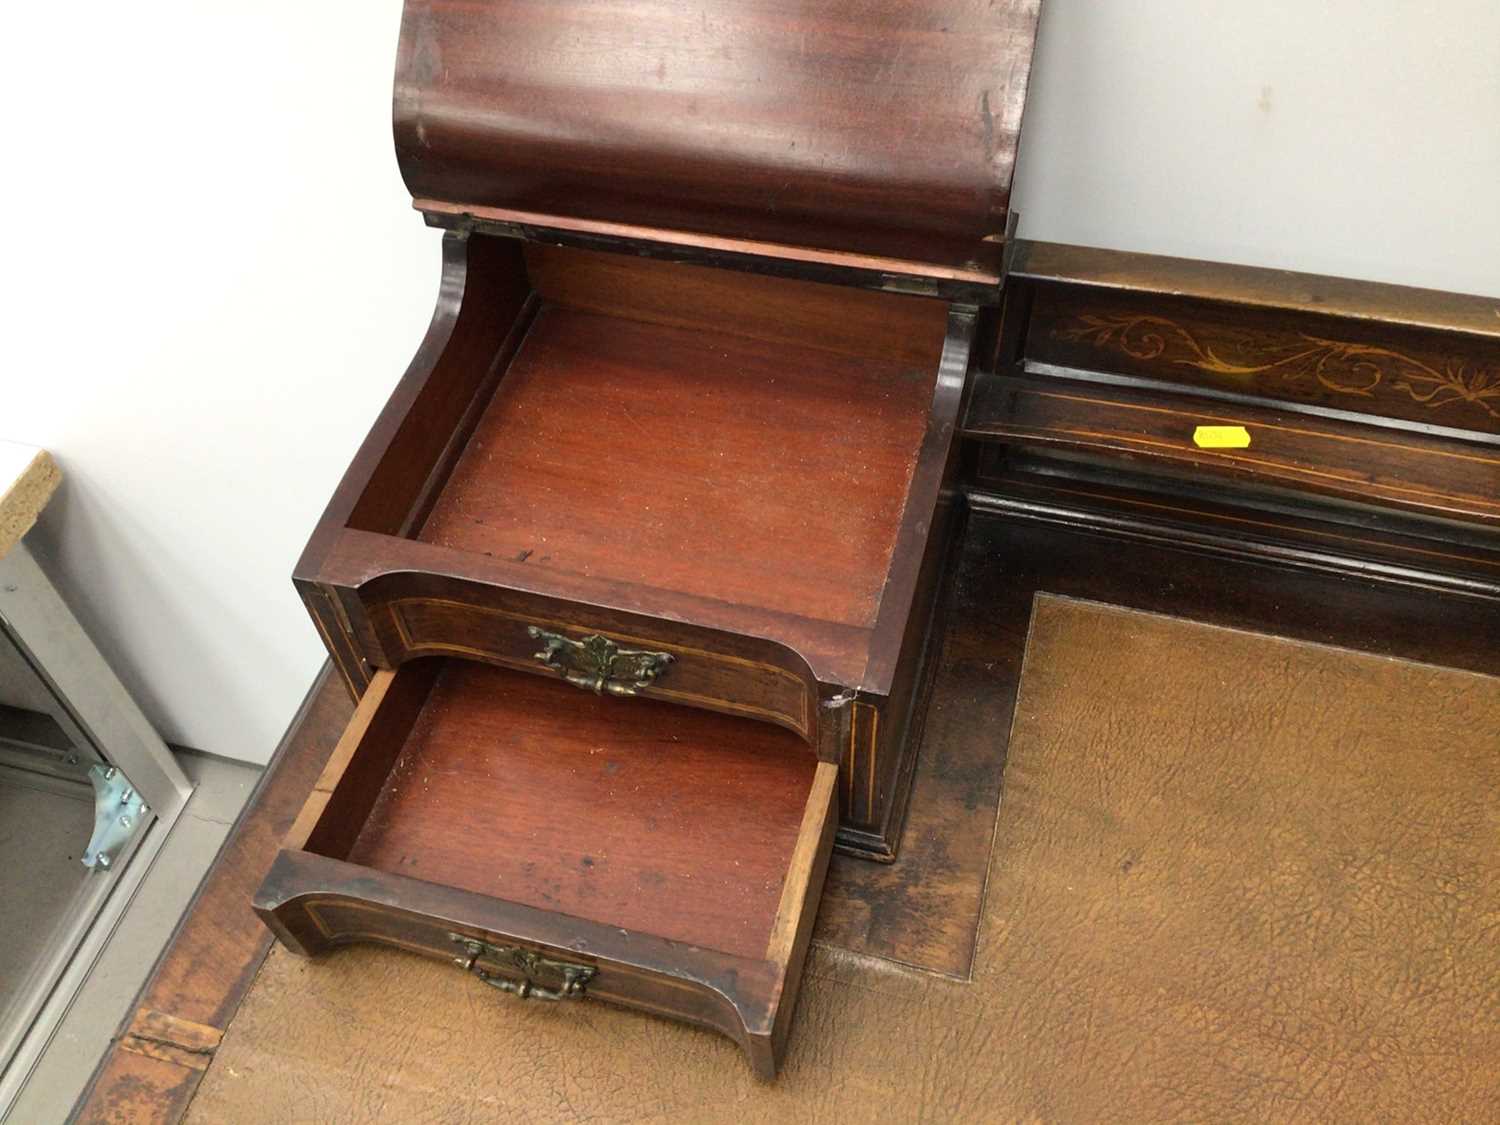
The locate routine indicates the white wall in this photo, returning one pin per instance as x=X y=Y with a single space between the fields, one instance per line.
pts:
x=1358 y=138
x=213 y=278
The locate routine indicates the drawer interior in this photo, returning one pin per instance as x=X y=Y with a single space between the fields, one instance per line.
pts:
x=734 y=451
x=755 y=471
x=670 y=821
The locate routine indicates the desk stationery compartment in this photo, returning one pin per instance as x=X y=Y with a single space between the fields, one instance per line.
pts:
x=646 y=478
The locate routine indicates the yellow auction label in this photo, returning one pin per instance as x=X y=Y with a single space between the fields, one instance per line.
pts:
x=1221 y=437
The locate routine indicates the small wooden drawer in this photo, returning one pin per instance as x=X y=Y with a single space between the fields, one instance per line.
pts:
x=593 y=652
x=725 y=490
x=567 y=847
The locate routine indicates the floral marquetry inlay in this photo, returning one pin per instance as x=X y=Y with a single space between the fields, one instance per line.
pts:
x=1301 y=362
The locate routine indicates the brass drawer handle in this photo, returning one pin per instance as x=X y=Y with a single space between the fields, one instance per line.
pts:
x=599 y=665
x=567 y=981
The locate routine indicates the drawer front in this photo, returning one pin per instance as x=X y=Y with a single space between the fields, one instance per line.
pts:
x=1248 y=446
x=617 y=662
x=315 y=904
x=521 y=969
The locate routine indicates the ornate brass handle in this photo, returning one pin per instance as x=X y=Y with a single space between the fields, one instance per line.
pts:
x=530 y=990
x=599 y=665
x=568 y=980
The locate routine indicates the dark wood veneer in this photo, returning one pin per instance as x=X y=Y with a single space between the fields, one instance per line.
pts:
x=882 y=126
x=1386 y=307
x=1423 y=378
x=1438 y=477
x=1383 y=399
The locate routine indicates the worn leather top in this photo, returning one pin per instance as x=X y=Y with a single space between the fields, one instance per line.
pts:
x=1233 y=878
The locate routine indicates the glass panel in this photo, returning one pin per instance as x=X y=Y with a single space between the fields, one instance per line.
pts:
x=46 y=820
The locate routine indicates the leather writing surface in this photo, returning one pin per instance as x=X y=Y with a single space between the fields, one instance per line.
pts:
x=882 y=127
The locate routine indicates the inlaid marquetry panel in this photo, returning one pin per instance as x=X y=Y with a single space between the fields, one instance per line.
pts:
x=1378 y=369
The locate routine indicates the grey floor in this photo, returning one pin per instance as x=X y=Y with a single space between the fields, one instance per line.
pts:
x=85 y=1033
x=48 y=823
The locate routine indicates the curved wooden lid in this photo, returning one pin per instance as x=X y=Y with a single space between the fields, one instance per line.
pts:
x=879 y=127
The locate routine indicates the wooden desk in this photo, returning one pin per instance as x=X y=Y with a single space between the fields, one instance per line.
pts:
x=918 y=938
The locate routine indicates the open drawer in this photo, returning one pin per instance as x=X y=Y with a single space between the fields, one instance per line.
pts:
x=567 y=847
x=720 y=489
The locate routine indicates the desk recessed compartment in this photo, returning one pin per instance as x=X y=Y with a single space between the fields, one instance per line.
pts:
x=564 y=847
x=734 y=483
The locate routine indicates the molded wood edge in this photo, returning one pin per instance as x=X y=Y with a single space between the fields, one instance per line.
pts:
x=1257 y=287
x=742 y=995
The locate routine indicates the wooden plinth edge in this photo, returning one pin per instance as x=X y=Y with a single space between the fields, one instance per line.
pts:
x=158 y=1035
